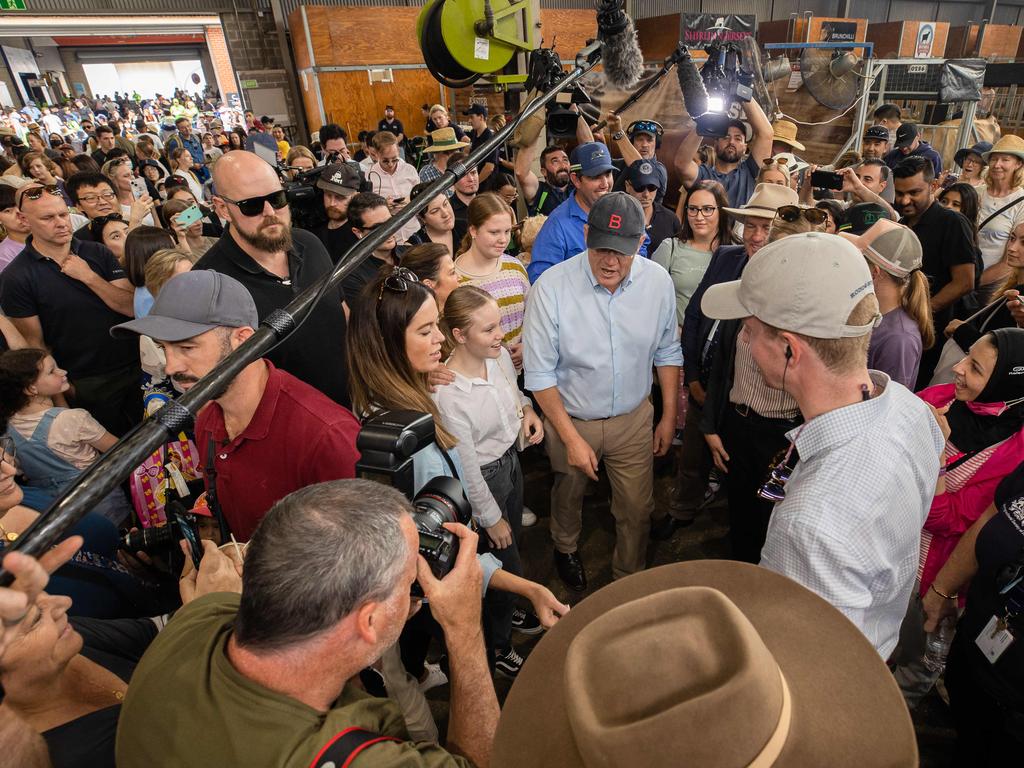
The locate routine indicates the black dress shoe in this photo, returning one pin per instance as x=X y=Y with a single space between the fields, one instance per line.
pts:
x=570 y=570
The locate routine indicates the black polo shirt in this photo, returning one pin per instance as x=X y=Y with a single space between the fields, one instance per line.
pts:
x=664 y=224
x=946 y=242
x=337 y=241
x=76 y=323
x=547 y=199
x=316 y=352
x=84 y=234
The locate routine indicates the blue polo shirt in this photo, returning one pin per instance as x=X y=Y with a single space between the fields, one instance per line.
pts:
x=561 y=238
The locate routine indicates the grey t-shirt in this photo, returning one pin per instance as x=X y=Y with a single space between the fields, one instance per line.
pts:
x=739 y=183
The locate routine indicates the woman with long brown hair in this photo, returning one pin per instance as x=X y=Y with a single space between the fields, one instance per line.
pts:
x=906 y=329
x=433 y=264
x=483 y=262
x=705 y=227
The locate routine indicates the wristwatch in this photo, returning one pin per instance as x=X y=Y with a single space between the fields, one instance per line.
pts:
x=618 y=135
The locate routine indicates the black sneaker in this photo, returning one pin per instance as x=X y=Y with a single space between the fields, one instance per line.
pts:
x=508 y=662
x=526 y=622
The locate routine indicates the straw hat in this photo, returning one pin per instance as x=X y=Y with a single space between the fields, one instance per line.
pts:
x=785 y=132
x=765 y=201
x=1008 y=145
x=710 y=663
x=444 y=140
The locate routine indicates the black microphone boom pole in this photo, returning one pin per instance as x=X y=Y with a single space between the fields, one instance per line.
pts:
x=638 y=94
x=119 y=462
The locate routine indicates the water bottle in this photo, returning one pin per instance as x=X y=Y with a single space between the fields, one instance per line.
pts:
x=937 y=645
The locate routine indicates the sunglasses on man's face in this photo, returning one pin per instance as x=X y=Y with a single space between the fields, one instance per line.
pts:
x=34 y=193
x=791 y=213
x=253 y=206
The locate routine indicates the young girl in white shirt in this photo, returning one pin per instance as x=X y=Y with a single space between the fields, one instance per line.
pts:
x=486 y=413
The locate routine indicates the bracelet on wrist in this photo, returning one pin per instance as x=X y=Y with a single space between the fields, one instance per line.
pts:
x=943 y=595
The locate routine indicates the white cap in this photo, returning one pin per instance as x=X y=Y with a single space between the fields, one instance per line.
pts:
x=807 y=283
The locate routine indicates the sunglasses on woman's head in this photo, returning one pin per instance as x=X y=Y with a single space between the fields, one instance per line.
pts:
x=398 y=281
x=253 y=206
x=791 y=213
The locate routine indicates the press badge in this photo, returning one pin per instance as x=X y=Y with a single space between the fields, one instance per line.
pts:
x=994 y=639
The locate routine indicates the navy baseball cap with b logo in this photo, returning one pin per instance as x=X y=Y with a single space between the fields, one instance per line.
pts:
x=590 y=159
x=616 y=223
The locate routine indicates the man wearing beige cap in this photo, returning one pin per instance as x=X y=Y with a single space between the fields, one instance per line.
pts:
x=744 y=419
x=850 y=511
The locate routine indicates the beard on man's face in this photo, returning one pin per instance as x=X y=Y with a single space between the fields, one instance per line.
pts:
x=269 y=243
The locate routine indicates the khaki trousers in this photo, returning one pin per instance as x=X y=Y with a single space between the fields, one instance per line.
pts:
x=625 y=443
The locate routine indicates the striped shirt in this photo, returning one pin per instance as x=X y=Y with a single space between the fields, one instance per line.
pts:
x=509 y=285
x=749 y=388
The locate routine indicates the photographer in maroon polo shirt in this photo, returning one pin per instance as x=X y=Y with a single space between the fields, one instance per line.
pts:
x=272 y=434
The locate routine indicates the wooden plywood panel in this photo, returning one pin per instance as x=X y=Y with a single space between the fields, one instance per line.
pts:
x=659 y=36
x=887 y=38
x=1001 y=41
x=353 y=103
x=569 y=29
x=899 y=38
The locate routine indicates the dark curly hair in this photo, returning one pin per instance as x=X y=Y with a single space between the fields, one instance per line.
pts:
x=18 y=369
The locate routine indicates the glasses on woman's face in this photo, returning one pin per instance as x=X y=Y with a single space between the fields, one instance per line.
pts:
x=398 y=281
x=707 y=211
x=791 y=213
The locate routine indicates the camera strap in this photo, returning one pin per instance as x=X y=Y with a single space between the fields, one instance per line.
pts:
x=450 y=463
x=210 y=470
x=346 y=746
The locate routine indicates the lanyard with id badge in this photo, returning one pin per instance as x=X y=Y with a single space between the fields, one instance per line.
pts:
x=997 y=635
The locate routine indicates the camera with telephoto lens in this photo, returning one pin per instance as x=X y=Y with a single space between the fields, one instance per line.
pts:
x=387 y=442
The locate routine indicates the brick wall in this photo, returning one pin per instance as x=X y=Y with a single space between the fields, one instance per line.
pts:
x=222 y=65
x=252 y=40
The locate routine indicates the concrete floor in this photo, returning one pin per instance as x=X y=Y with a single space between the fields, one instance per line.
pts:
x=706 y=538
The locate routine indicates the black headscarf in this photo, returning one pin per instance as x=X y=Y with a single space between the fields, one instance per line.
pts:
x=973 y=431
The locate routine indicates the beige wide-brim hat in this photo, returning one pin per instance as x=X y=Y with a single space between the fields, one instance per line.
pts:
x=709 y=663
x=765 y=201
x=1008 y=145
x=785 y=132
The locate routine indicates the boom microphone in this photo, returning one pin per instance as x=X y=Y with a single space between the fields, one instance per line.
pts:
x=620 y=49
x=695 y=95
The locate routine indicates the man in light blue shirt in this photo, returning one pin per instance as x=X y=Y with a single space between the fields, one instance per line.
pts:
x=561 y=237
x=595 y=325
x=848 y=520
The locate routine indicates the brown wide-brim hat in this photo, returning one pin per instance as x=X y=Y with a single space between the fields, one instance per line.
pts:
x=785 y=131
x=765 y=202
x=611 y=693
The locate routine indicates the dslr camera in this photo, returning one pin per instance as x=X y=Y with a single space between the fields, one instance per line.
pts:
x=387 y=442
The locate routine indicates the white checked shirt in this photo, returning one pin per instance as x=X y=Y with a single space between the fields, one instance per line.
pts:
x=850 y=525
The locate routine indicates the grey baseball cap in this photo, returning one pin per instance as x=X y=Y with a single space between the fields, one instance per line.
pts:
x=616 y=223
x=807 y=283
x=191 y=304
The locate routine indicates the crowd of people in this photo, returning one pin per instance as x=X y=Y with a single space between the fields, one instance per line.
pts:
x=841 y=365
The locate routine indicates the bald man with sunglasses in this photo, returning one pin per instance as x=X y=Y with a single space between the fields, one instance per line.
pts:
x=276 y=262
x=64 y=295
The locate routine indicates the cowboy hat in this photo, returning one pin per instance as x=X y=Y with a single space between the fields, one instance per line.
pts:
x=765 y=201
x=785 y=131
x=445 y=140
x=712 y=663
x=1008 y=145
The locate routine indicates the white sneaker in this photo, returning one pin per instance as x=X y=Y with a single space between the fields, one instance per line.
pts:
x=529 y=518
x=435 y=678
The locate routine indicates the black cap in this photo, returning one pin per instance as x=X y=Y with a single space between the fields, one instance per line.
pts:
x=861 y=217
x=386 y=108
x=876 y=133
x=905 y=135
x=340 y=178
x=641 y=173
x=476 y=109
